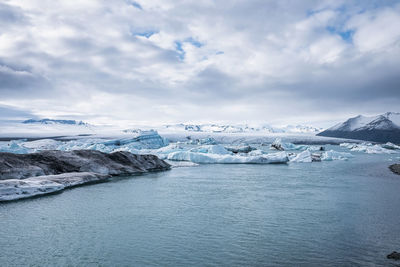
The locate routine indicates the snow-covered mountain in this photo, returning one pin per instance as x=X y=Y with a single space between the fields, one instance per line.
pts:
x=381 y=128
x=50 y=121
x=216 y=128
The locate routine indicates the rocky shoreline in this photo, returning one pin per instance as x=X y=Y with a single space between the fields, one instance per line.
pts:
x=28 y=175
x=395 y=168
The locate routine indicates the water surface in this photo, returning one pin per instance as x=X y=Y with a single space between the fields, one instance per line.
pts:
x=340 y=213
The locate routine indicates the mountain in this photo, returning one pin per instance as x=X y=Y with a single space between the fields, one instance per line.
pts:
x=382 y=128
x=50 y=121
x=226 y=128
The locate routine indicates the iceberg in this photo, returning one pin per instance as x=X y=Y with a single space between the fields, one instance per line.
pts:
x=307 y=156
x=199 y=157
x=389 y=145
x=240 y=149
x=335 y=155
x=14 y=146
x=143 y=140
x=212 y=149
x=304 y=156
x=279 y=145
x=42 y=144
x=369 y=148
x=203 y=141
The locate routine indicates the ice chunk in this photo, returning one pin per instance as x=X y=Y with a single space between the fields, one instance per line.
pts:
x=199 y=157
x=14 y=146
x=240 y=149
x=143 y=140
x=335 y=155
x=179 y=164
x=212 y=149
x=307 y=156
x=389 y=145
x=42 y=144
x=203 y=141
x=256 y=152
x=372 y=149
x=369 y=148
x=279 y=145
x=304 y=156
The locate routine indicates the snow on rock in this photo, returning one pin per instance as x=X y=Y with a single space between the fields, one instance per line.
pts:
x=13 y=189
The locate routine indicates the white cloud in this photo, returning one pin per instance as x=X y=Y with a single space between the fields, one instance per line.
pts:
x=376 y=30
x=199 y=60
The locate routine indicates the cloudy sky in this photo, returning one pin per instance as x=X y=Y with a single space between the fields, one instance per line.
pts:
x=164 y=61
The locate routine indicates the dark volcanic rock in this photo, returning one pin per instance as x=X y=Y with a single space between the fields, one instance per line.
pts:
x=394 y=255
x=395 y=168
x=20 y=166
x=46 y=172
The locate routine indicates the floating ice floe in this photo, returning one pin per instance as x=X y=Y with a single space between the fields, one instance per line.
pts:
x=389 y=145
x=218 y=154
x=211 y=149
x=307 y=156
x=240 y=149
x=304 y=156
x=279 y=145
x=180 y=164
x=335 y=155
x=369 y=148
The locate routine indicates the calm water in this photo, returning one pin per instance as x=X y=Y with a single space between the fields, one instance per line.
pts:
x=330 y=213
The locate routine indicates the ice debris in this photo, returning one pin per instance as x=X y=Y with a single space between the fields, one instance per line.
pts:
x=279 y=145
x=201 y=157
x=369 y=148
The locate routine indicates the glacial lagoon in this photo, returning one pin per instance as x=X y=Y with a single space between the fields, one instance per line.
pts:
x=329 y=213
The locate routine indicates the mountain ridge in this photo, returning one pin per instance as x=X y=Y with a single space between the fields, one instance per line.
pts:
x=381 y=128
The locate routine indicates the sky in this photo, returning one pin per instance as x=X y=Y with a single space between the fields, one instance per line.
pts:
x=167 y=61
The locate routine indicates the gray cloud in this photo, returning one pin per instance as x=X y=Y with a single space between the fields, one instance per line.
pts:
x=8 y=113
x=159 y=61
